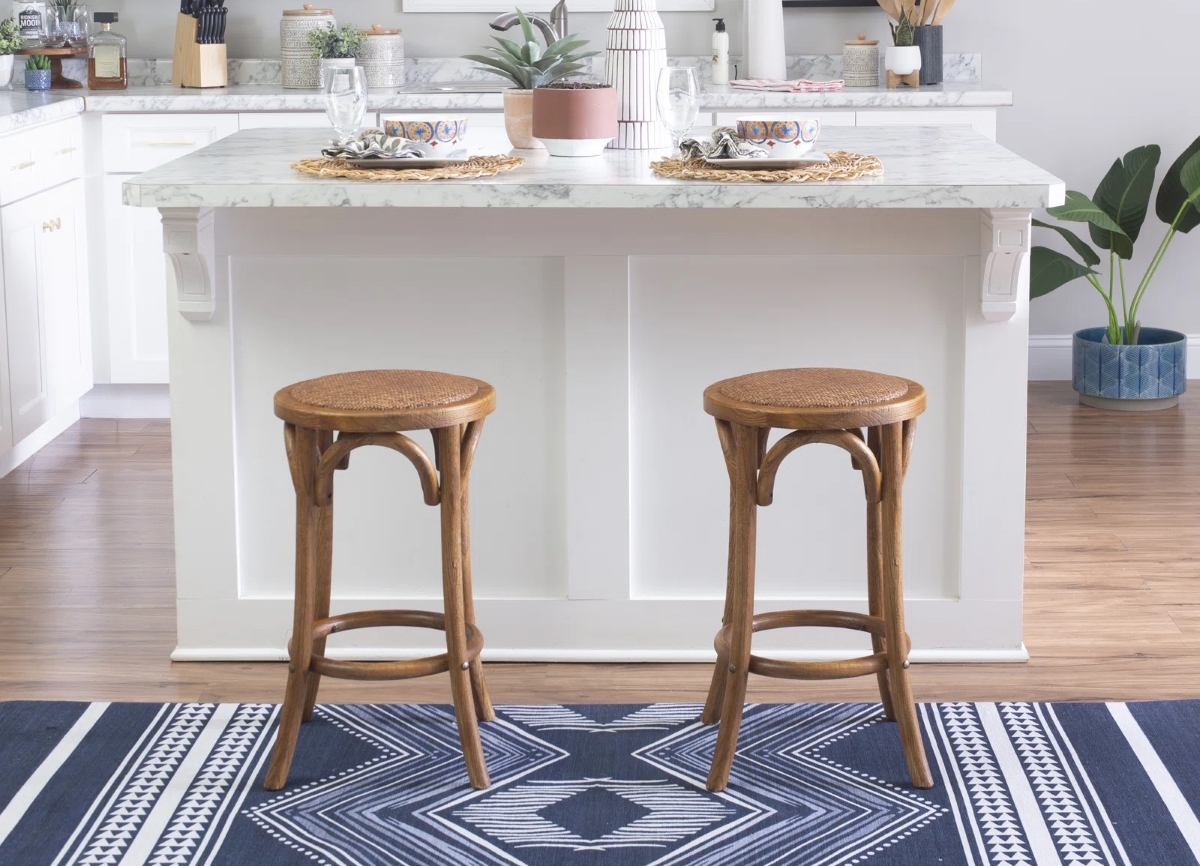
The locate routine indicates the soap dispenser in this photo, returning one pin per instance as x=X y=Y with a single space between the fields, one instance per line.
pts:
x=720 y=53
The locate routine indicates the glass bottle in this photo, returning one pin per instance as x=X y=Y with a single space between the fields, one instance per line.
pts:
x=107 y=69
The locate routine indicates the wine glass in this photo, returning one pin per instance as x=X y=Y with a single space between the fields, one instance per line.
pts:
x=678 y=97
x=345 y=90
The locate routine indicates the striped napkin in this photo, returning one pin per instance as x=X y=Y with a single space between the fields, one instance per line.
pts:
x=800 y=85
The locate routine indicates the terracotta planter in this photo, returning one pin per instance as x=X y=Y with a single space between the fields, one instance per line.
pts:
x=518 y=119
x=575 y=122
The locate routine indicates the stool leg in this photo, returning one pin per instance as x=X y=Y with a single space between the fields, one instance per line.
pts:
x=744 y=483
x=892 y=469
x=875 y=580
x=324 y=585
x=453 y=592
x=302 y=451
x=720 y=677
x=479 y=690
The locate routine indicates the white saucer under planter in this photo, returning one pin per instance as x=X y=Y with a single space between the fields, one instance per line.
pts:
x=575 y=146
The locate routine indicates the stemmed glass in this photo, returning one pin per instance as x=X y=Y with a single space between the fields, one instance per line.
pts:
x=678 y=96
x=345 y=90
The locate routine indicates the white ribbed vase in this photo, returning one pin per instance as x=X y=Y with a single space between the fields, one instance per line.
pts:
x=636 y=52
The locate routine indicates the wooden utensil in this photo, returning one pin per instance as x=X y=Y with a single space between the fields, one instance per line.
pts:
x=891 y=8
x=942 y=11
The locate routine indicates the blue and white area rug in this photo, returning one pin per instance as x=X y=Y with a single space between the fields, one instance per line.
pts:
x=813 y=785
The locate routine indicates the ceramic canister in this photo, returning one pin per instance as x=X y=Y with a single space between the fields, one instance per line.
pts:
x=860 y=62
x=301 y=68
x=382 y=57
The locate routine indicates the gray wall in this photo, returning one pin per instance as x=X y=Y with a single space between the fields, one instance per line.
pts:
x=1092 y=79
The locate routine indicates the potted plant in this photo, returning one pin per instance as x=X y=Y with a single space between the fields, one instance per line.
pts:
x=335 y=48
x=1123 y=365
x=529 y=66
x=10 y=41
x=904 y=57
x=37 y=72
x=575 y=118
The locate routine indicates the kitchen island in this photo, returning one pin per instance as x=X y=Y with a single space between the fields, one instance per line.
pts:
x=599 y=300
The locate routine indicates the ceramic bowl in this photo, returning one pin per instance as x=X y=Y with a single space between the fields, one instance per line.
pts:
x=434 y=136
x=783 y=137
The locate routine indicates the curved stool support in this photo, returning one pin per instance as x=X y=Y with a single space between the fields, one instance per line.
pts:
x=339 y=452
x=860 y=454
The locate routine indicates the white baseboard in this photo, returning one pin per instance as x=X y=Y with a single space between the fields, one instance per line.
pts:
x=929 y=656
x=1050 y=357
x=126 y=401
x=37 y=440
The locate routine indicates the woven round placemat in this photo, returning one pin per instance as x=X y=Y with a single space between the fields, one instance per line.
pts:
x=476 y=166
x=842 y=165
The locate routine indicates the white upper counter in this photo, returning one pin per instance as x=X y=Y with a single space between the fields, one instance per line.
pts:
x=924 y=167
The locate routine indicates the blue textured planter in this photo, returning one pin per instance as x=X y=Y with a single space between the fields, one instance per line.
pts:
x=1150 y=375
x=37 y=79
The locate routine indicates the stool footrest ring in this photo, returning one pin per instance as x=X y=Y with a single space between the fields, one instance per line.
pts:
x=388 y=670
x=824 y=670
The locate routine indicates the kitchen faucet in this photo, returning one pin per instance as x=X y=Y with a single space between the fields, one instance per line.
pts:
x=552 y=30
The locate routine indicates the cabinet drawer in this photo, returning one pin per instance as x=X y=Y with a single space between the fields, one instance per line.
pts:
x=140 y=142
x=292 y=120
x=39 y=158
x=982 y=121
x=827 y=118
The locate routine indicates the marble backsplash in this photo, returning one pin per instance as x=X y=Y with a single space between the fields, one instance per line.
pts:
x=958 y=67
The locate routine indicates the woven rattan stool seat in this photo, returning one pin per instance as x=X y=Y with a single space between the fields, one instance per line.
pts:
x=373 y=401
x=815 y=398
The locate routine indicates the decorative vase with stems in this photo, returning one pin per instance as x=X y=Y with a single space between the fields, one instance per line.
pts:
x=636 y=51
x=1123 y=365
x=529 y=66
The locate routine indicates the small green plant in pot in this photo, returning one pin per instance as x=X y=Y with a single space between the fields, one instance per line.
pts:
x=10 y=41
x=528 y=66
x=1123 y=365
x=904 y=56
x=334 y=47
x=37 y=72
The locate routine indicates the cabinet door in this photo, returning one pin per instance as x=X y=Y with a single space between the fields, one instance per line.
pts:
x=137 y=289
x=25 y=312
x=835 y=117
x=62 y=258
x=982 y=120
x=6 y=434
x=291 y=120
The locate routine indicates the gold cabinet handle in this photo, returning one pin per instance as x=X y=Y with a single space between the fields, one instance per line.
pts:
x=21 y=166
x=65 y=151
x=52 y=225
x=170 y=143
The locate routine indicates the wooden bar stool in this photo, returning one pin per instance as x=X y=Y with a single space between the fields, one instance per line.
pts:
x=370 y=408
x=832 y=407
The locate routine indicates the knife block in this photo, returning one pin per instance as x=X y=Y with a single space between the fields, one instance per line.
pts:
x=197 y=65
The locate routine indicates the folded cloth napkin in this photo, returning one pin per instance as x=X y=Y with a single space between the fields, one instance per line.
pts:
x=372 y=144
x=800 y=85
x=725 y=144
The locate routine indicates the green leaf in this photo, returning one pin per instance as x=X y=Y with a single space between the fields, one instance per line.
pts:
x=565 y=45
x=511 y=48
x=1081 y=209
x=1089 y=255
x=1190 y=175
x=526 y=27
x=1173 y=195
x=514 y=73
x=532 y=52
x=1124 y=195
x=1050 y=269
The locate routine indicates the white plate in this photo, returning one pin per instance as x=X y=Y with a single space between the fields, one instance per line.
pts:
x=771 y=163
x=409 y=162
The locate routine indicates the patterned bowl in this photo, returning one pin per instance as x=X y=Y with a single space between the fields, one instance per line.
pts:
x=783 y=137
x=433 y=136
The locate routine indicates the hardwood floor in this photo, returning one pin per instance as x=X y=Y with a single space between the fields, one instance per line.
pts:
x=1112 y=581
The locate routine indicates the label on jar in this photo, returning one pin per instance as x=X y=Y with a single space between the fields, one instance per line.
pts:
x=30 y=17
x=108 y=61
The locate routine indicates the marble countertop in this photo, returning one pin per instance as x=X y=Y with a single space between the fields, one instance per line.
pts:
x=924 y=167
x=21 y=107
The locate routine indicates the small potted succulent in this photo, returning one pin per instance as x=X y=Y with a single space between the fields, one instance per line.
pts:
x=904 y=57
x=529 y=66
x=1123 y=365
x=37 y=72
x=575 y=118
x=335 y=48
x=10 y=41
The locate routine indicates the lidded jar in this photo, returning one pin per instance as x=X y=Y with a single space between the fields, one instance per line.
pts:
x=860 y=62
x=301 y=68
x=382 y=56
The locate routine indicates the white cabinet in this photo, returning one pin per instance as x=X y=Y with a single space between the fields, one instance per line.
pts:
x=828 y=118
x=45 y=305
x=139 y=142
x=982 y=120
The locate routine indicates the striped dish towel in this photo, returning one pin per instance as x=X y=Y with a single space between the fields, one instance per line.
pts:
x=800 y=85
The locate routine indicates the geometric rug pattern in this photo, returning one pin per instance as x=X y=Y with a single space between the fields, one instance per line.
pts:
x=601 y=785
